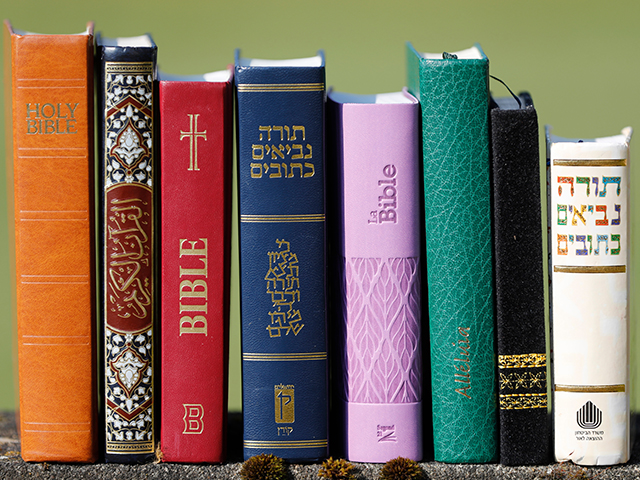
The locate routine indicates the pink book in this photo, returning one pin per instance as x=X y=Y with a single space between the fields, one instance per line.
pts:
x=376 y=253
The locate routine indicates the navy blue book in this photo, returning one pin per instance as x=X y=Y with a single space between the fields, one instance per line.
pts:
x=127 y=175
x=282 y=256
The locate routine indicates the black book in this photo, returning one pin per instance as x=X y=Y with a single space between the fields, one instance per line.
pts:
x=520 y=307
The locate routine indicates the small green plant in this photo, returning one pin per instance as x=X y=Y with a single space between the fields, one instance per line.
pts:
x=401 y=469
x=338 y=469
x=263 y=467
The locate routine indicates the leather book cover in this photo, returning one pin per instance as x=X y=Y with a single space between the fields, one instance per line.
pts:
x=375 y=245
x=520 y=304
x=280 y=112
x=196 y=124
x=50 y=185
x=127 y=175
x=589 y=247
x=453 y=92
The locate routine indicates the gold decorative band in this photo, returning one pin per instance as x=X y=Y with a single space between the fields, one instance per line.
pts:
x=281 y=87
x=525 y=380
x=313 y=217
x=117 y=447
x=590 y=388
x=621 y=162
x=128 y=67
x=286 y=444
x=525 y=360
x=283 y=357
x=523 y=401
x=590 y=269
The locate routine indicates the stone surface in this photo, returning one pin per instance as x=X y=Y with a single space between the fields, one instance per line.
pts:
x=13 y=467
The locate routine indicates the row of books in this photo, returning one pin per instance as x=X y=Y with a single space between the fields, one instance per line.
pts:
x=311 y=167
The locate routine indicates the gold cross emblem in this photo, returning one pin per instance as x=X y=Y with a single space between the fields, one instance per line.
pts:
x=193 y=134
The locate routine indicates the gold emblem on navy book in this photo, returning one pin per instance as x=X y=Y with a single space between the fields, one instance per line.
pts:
x=284 y=396
x=283 y=284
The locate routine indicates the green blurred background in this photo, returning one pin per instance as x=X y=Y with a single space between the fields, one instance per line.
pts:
x=579 y=59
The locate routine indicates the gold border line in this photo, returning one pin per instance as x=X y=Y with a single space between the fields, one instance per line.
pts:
x=283 y=357
x=284 y=444
x=281 y=87
x=509 y=395
x=622 y=162
x=313 y=217
x=590 y=269
x=590 y=388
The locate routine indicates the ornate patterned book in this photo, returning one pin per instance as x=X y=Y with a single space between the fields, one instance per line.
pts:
x=520 y=304
x=126 y=74
x=375 y=240
x=589 y=247
x=453 y=92
x=282 y=256
x=196 y=125
x=49 y=102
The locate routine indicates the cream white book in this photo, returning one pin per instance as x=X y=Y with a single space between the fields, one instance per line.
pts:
x=589 y=249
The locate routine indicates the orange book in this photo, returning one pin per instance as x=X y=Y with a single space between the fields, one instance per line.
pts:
x=50 y=177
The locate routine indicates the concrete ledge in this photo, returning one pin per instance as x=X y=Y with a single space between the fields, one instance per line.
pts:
x=13 y=467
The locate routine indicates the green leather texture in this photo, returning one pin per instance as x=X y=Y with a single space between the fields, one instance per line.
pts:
x=454 y=97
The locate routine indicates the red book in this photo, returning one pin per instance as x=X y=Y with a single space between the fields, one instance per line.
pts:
x=195 y=185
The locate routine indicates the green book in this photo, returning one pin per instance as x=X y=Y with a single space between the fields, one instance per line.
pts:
x=453 y=94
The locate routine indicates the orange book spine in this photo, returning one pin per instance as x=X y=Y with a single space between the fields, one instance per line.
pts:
x=50 y=183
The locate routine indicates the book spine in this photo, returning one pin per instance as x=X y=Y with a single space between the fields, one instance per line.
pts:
x=589 y=244
x=282 y=259
x=520 y=305
x=378 y=236
x=195 y=135
x=50 y=174
x=127 y=171
x=453 y=95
